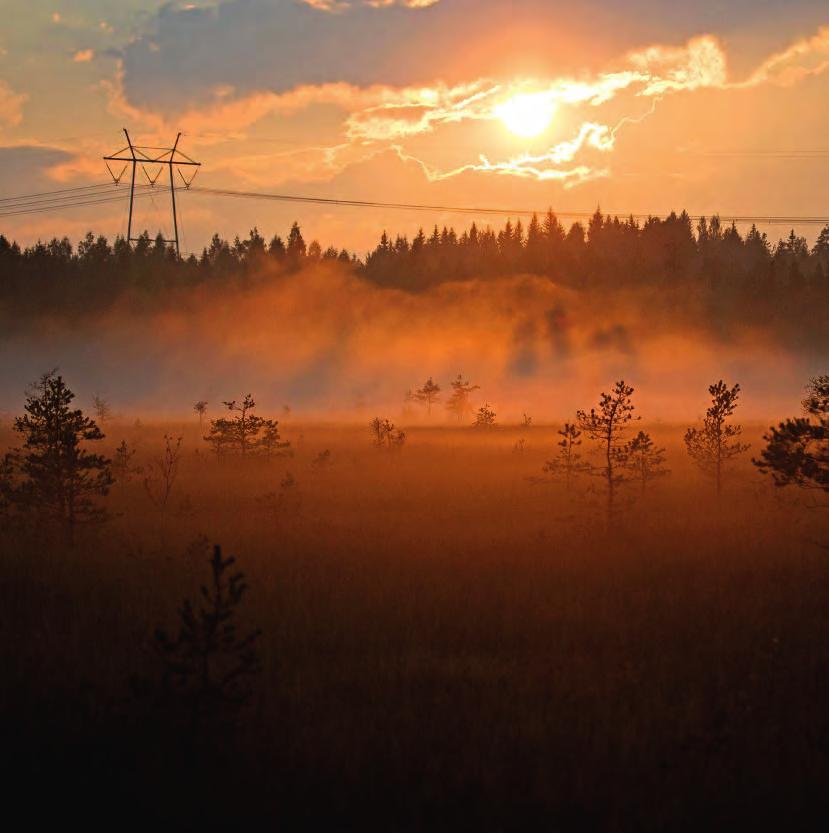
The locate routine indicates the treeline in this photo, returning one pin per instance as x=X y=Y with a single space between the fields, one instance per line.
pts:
x=608 y=252
x=59 y=276
x=734 y=273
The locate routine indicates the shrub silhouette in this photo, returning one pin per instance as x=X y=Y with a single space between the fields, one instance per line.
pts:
x=384 y=434
x=485 y=418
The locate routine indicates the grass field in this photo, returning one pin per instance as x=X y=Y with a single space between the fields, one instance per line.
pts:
x=446 y=644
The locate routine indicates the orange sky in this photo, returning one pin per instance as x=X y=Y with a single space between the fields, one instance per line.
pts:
x=633 y=107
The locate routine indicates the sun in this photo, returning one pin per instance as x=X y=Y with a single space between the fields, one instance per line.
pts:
x=527 y=115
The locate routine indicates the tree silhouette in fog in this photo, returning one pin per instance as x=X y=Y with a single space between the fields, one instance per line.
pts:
x=797 y=450
x=245 y=433
x=428 y=394
x=485 y=417
x=200 y=408
x=606 y=426
x=384 y=434
x=208 y=666
x=458 y=402
x=713 y=446
x=567 y=462
x=55 y=474
x=644 y=460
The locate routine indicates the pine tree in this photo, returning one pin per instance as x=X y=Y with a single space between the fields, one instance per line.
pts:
x=208 y=666
x=606 y=426
x=567 y=461
x=485 y=418
x=58 y=476
x=797 y=450
x=429 y=394
x=644 y=460
x=715 y=445
x=458 y=403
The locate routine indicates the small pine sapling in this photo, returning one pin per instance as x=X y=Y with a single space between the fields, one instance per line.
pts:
x=713 y=446
x=485 y=418
x=567 y=463
x=208 y=667
x=606 y=425
x=644 y=460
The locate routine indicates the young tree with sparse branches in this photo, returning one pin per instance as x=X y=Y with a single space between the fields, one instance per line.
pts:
x=53 y=472
x=208 y=666
x=644 y=460
x=458 y=402
x=428 y=394
x=606 y=426
x=161 y=474
x=568 y=461
x=485 y=418
x=797 y=450
x=101 y=408
x=245 y=433
x=384 y=434
x=201 y=409
x=714 y=446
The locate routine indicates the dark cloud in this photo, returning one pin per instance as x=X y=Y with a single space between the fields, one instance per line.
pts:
x=185 y=54
x=23 y=168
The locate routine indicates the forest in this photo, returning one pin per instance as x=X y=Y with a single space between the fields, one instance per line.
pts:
x=734 y=277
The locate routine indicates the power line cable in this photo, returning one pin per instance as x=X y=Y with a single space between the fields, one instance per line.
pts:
x=501 y=212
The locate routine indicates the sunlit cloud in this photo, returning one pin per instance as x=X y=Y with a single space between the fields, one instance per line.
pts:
x=83 y=56
x=380 y=118
x=805 y=57
x=11 y=105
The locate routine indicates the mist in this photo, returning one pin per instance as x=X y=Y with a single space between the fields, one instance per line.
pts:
x=334 y=346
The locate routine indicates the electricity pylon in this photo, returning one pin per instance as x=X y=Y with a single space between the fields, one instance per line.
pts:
x=145 y=156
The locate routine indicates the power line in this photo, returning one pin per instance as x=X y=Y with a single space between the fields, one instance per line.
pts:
x=95 y=195
x=501 y=212
x=60 y=191
x=97 y=200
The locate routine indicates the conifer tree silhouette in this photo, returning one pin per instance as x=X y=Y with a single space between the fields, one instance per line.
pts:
x=797 y=450
x=715 y=445
x=644 y=460
x=208 y=667
x=458 y=402
x=606 y=426
x=58 y=477
x=567 y=462
x=428 y=394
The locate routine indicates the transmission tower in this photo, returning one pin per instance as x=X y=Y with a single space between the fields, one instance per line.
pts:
x=156 y=159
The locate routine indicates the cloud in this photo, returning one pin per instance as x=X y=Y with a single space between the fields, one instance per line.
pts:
x=11 y=105
x=83 y=56
x=27 y=168
x=383 y=117
x=805 y=57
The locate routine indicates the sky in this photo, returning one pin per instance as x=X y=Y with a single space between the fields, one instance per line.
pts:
x=636 y=106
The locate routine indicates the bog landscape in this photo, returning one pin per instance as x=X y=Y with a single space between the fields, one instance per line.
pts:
x=432 y=507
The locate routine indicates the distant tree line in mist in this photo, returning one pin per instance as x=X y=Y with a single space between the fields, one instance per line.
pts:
x=736 y=273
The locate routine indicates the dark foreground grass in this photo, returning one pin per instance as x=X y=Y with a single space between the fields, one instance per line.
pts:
x=446 y=646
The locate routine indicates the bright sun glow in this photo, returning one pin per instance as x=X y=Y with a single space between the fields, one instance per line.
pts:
x=527 y=115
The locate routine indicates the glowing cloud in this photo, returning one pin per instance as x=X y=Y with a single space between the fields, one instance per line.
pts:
x=11 y=105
